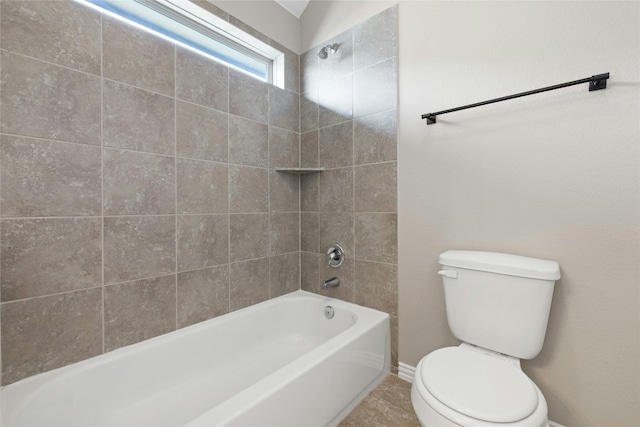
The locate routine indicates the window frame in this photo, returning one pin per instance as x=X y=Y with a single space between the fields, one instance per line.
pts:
x=189 y=25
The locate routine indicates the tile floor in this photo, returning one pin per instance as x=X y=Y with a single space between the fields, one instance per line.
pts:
x=388 y=405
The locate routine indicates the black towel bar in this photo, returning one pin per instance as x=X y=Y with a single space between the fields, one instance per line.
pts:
x=596 y=82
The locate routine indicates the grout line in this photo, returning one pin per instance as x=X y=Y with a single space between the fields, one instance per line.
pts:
x=53 y=295
x=104 y=310
x=1 y=366
x=376 y=63
x=353 y=176
x=39 y=138
x=139 y=279
x=57 y=65
x=269 y=284
x=132 y=86
x=299 y=77
x=175 y=166
x=229 y=195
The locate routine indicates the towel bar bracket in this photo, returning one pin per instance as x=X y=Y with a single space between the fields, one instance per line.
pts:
x=598 y=82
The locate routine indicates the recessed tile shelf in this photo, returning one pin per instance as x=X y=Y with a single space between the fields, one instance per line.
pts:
x=299 y=171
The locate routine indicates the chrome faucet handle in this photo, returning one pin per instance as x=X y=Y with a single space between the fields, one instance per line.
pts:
x=335 y=255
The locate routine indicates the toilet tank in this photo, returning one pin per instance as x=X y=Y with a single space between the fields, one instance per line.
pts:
x=499 y=301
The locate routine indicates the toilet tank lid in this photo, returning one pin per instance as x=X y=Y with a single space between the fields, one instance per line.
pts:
x=494 y=262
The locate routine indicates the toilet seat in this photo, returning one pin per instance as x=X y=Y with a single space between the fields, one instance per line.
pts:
x=462 y=405
x=478 y=385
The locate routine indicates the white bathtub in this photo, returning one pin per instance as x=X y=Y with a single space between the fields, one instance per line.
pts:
x=278 y=363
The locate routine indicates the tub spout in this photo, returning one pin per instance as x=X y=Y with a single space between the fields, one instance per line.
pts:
x=334 y=282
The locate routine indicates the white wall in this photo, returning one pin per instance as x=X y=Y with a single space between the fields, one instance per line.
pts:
x=554 y=176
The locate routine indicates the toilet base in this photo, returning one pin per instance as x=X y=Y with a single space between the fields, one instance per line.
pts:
x=428 y=416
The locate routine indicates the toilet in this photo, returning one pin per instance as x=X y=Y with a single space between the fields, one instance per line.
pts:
x=498 y=306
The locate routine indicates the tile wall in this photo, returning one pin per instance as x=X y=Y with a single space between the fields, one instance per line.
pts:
x=137 y=186
x=348 y=122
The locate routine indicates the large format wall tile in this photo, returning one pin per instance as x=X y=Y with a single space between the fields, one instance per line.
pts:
x=310 y=192
x=248 y=142
x=138 y=247
x=203 y=187
x=309 y=111
x=335 y=100
x=249 y=236
x=136 y=57
x=248 y=97
x=202 y=294
x=201 y=133
x=284 y=148
x=309 y=232
x=135 y=119
x=43 y=100
x=284 y=109
x=248 y=189
x=377 y=237
x=40 y=334
x=203 y=241
x=249 y=283
x=284 y=235
x=48 y=256
x=65 y=33
x=284 y=189
x=309 y=150
x=377 y=286
x=374 y=138
x=310 y=271
x=376 y=39
x=138 y=183
x=309 y=72
x=375 y=188
x=201 y=81
x=375 y=88
x=336 y=145
x=139 y=310
x=284 y=275
x=48 y=178
x=336 y=190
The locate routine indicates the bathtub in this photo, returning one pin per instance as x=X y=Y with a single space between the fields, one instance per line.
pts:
x=278 y=363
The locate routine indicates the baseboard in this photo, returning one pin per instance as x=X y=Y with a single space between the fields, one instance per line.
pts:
x=406 y=372
x=553 y=424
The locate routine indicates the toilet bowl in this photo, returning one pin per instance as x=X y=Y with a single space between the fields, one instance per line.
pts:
x=464 y=386
x=498 y=306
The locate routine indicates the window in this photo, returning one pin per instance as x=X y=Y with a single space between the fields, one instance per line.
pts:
x=189 y=25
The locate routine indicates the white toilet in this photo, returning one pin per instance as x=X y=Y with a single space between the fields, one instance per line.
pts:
x=498 y=306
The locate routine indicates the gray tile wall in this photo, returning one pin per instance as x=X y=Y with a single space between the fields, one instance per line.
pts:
x=137 y=185
x=348 y=122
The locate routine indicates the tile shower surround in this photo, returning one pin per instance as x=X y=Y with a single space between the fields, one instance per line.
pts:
x=348 y=124
x=137 y=185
